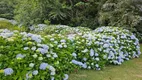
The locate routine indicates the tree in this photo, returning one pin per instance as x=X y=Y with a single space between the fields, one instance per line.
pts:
x=28 y=12
x=7 y=8
x=87 y=13
x=138 y=6
x=119 y=13
x=36 y=11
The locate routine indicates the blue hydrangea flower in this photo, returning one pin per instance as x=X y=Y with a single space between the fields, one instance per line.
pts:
x=111 y=55
x=96 y=54
x=79 y=63
x=132 y=37
x=35 y=72
x=36 y=38
x=52 y=73
x=139 y=52
x=66 y=77
x=74 y=54
x=91 y=52
x=20 y=56
x=29 y=34
x=85 y=50
x=89 y=67
x=84 y=65
x=97 y=65
x=26 y=48
x=33 y=48
x=127 y=58
x=48 y=55
x=98 y=69
x=43 y=51
x=105 y=56
x=52 y=39
x=31 y=65
x=63 y=41
x=85 y=59
x=44 y=46
x=60 y=46
x=8 y=71
x=65 y=46
x=55 y=55
x=97 y=59
x=29 y=75
x=51 y=68
x=52 y=78
x=106 y=45
x=43 y=66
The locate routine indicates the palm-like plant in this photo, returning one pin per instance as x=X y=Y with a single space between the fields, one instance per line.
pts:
x=57 y=10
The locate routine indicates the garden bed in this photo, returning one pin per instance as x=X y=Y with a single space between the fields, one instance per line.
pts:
x=54 y=56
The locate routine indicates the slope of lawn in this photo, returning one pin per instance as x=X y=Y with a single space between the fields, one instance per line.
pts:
x=129 y=70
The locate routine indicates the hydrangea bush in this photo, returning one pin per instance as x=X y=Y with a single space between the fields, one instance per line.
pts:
x=57 y=29
x=105 y=45
x=53 y=56
x=88 y=55
x=119 y=44
x=30 y=56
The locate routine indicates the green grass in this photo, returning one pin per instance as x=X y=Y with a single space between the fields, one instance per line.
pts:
x=129 y=70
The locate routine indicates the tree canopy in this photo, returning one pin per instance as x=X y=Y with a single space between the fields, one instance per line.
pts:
x=87 y=13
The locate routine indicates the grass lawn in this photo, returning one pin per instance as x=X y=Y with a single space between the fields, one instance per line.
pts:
x=129 y=70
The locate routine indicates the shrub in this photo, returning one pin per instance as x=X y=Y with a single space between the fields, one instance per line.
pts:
x=103 y=46
x=53 y=56
x=10 y=24
x=57 y=29
x=5 y=24
x=139 y=36
x=119 y=44
x=88 y=54
x=25 y=55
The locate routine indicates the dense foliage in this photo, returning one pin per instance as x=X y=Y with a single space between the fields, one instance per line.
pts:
x=7 y=8
x=30 y=56
x=58 y=50
x=25 y=55
x=10 y=24
x=88 y=13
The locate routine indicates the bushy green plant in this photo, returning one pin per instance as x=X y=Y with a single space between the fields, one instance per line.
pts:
x=5 y=24
x=53 y=56
x=87 y=52
x=105 y=45
x=29 y=56
x=57 y=29
x=7 y=8
x=139 y=36
x=118 y=43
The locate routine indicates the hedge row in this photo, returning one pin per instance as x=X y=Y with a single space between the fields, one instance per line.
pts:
x=30 y=56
